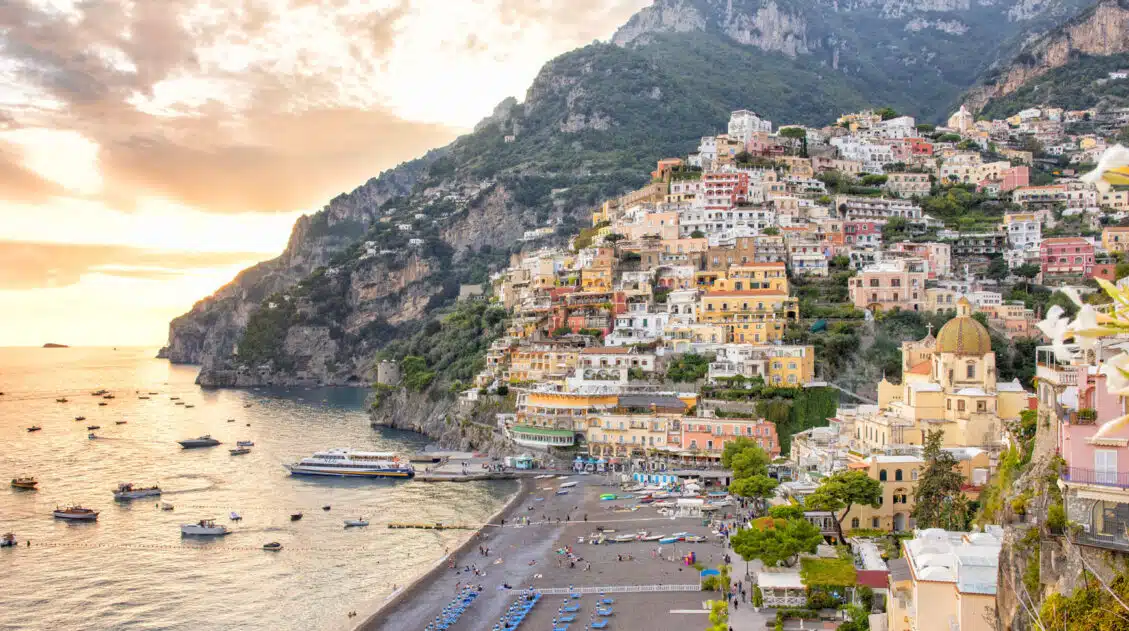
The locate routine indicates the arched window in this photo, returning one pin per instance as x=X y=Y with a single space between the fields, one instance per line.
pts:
x=970 y=371
x=882 y=475
x=898 y=475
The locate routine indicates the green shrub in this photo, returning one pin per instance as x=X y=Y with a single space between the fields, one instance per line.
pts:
x=1056 y=518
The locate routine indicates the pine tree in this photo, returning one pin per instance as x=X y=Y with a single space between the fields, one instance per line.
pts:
x=939 y=502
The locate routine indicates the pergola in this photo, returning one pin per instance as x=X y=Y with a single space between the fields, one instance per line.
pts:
x=782 y=588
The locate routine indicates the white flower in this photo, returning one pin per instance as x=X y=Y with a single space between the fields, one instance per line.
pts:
x=1116 y=371
x=1084 y=328
x=1054 y=326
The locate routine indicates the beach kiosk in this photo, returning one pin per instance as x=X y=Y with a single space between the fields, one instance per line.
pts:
x=522 y=462
x=782 y=588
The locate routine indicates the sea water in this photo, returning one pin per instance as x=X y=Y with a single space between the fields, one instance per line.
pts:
x=132 y=569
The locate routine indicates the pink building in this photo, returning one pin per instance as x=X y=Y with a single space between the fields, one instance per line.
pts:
x=938 y=255
x=724 y=190
x=889 y=284
x=1015 y=177
x=862 y=233
x=1066 y=256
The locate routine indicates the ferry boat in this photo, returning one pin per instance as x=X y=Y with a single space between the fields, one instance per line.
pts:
x=349 y=463
x=25 y=482
x=204 y=528
x=76 y=513
x=126 y=491
x=204 y=441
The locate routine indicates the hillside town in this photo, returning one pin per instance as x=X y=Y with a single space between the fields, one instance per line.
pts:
x=653 y=340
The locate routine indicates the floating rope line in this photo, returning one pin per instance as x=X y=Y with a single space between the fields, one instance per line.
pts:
x=201 y=548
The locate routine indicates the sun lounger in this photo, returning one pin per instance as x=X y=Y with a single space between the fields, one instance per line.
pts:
x=568 y=618
x=602 y=624
x=604 y=612
x=608 y=601
x=572 y=608
x=574 y=595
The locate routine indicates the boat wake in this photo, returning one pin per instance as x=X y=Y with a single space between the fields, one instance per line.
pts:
x=207 y=483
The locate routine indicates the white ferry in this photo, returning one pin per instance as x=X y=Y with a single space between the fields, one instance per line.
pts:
x=349 y=463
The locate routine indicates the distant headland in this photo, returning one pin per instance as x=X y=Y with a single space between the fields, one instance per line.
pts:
x=53 y=345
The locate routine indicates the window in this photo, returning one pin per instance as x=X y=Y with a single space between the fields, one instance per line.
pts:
x=874 y=522
x=882 y=475
x=981 y=406
x=960 y=405
x=970 y=371
x=898 y=475
x=913 y=474
x=855 y=522
x=1105 y=466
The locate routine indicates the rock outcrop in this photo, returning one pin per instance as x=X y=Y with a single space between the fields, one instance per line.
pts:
x=452 y=426
x=1103 y=29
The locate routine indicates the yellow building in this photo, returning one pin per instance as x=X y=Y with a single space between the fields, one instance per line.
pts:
x=562 y=410
x=1115 y=239
x=948 y=383
x=541 y=363
x=945 y=580
x=791 y=365
x=750 y=315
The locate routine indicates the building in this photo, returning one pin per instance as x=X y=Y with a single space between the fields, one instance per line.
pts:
x=950 y=584
x=1066 y=256
x=896 y=283
x=875 y=208
x=908 y=184
x=1115 y=239
x=1023 y=230
x=743 y=124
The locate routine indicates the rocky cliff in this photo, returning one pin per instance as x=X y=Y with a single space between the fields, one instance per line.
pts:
x=1101 y=30
x=452 y=426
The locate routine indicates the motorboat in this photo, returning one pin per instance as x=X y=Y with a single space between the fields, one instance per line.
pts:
x=25 y=482
x=651 y=538
x=189 y=405
x=174 y=398
x=8 y=541
x=166 y=506
x=91 y=436
x=152 y=393
x=247 y=405
x=239 y=451
x=273 y=546
x=120 y=422
x=230 y=420
x=235 y=516
x=62 y=400
x=76 y=513
x=179 y=403
x=356 y=523
x=98 y=393
x=349 y=463
x=142 y=397
x=34 y=428
x=326 y=507
x=296 y=517
x=694 y=539
x=80 y=418
x=624 y=538
x=107 y=396
x=245 y=443
x=203 y=441
x=127 y=491
x=568 y=485
x=204 y=528
x=92 y=427
x=102 y=404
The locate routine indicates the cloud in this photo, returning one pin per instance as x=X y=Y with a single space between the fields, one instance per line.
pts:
x=578 y=20
x=217 y=106
x=19 y=184
x=25 y=265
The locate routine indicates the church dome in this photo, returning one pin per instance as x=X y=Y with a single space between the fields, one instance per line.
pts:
x=963 y=335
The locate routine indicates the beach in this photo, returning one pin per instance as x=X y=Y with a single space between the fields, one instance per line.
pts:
x=535 y=555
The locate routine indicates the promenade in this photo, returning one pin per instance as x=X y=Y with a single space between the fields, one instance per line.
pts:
x=537 y=555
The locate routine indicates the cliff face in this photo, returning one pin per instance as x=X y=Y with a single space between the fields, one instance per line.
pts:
x=1101 y=30
x=451 y=426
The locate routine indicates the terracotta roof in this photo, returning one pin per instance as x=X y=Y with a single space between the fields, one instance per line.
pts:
x=606 y=350
x=920 y=369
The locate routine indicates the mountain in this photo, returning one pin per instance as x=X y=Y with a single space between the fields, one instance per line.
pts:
x=381 y=262
x=1061 y=64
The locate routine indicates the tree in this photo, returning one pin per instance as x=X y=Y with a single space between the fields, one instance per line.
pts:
x=842 y=491
x=771 y=231
x=758 y=488
x=614 y=238
x=786 y=511
x=775 y=541
x=697 y=234
x=887 y=113
x=1027 y=271
x=794 y=133
x=998 y=269
x=938 y=486
x=745 y=458
x=926 y=128
x=719 y=615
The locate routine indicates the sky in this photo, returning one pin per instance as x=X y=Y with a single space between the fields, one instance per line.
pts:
x=151 y=149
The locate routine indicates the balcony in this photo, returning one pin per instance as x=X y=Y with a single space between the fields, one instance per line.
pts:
x=1114 y=479
x=1057 y=375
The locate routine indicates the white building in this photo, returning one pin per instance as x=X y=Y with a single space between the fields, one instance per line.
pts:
x=637 y=328
x=743 y=124
x=1023 y=230
x=873 y=157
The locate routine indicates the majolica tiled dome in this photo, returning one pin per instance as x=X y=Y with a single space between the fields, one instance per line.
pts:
x=963 y=335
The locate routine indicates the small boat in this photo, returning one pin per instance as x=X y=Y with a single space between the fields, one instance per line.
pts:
x=204 y=441
x=248 y=425
x=179 y=403
x=568 y=485
x=189 y=405
x=235 y=516
x=152 y=393
x=93 y=427
x=102 y=404
x=76 y=513
x=665 y=540
x=694 y=539
x=91 y=436
x=8 y=541
x=174 y=398
x=62 y=400
x=624 y=538
x=247 y=405
x=107 y=396
x=273 y=546
x=230 y=420
x=204 y=528
x=562 y=492
x=120 y=422
x=651 y=538
x=296 y=517
x=80 y=418
x=239 y=451
x=98 y=393
x=326 y=507
x=356 y=523
x=166 y=506
x=25 y=482
x=34 y=428
x=126 y=491
x=142 y=397
x=245 y=443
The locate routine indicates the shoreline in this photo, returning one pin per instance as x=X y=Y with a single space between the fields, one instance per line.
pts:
x=372 y=620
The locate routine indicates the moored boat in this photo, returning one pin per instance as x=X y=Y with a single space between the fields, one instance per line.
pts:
x=166 y=506
x=349 y=463
x=189 y=405
x=120 y=422
x=203 y=441
x=8 y=540
x=25 y=482
x=76 y=513
x=273 y=546
x=127 y=491
x=235 y=516
x=204 y=528
x=356 y=523
x=98 y=393
x=245 y=443
x=93 y=427
x=80 y=418
x=239 y=451
x=296 y=517
x=102 y=404
x=34 y=428
x=62 y=400
x=91 y=436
